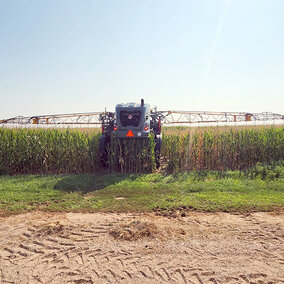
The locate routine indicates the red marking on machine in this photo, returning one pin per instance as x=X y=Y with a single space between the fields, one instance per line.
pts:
x=129 y=133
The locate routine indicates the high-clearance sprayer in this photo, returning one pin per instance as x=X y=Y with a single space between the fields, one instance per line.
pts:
x=132 y=121
x=138 y=121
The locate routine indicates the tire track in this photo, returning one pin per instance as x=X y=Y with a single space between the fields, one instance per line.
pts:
x=216 y=248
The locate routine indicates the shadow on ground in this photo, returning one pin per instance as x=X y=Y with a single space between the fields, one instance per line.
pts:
x=88 y=183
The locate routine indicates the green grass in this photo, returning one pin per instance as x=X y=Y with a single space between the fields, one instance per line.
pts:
x=259 y=189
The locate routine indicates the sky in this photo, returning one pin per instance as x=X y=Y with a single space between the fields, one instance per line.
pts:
x=81 y=56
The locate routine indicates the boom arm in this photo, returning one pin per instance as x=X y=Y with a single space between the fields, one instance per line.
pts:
x=194 y=117
x=168 y=117
x=89 y=118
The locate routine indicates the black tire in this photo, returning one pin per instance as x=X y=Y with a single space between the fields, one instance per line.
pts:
x=104 y=141
x=158 y=145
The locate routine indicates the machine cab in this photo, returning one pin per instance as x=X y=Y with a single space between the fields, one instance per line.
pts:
x=132 y=120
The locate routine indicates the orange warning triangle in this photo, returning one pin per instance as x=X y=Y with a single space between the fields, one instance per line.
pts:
x=129 y=133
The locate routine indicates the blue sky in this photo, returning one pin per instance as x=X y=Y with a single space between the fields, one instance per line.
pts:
x=80 y=56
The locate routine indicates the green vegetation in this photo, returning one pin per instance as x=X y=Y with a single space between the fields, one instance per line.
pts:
x=131 y=155
x=30 y=151
x=24 y=151
x=213 y=150
x=258 y=189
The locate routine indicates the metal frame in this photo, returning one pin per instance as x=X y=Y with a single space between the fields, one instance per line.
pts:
x=89 y=118
x=195 y=117
x=168 y=117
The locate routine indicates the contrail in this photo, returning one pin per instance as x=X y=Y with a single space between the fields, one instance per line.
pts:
x=218 y=32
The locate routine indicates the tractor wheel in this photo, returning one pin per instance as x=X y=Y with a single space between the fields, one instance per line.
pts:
x=104 y=141
x=158 y=145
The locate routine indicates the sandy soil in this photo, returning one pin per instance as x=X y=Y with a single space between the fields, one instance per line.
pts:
x=198 y=248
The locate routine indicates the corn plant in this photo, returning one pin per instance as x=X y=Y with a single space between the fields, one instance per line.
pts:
x=42 y=151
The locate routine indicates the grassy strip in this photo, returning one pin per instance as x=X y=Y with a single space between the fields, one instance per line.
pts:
x=207 y=191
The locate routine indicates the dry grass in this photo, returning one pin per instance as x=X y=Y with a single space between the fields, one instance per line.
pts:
x=141 y=229
x=135 y=230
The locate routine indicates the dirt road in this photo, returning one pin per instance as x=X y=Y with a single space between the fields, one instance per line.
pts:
x=91 y=248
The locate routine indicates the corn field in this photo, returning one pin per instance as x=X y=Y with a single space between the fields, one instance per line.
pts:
x=234 y=150
x=47 y=151
x=28 y=151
